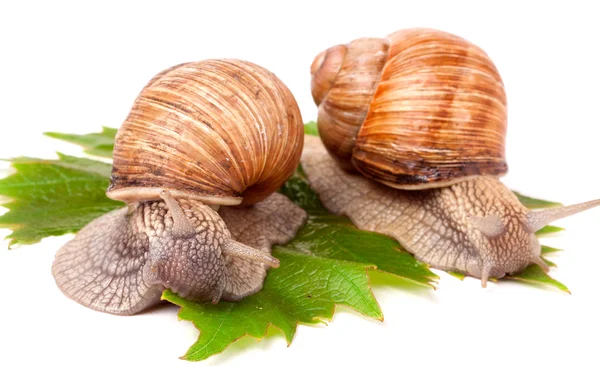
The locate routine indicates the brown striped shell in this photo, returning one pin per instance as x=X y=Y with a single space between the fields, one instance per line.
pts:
x=218 y=131
x=420 y=108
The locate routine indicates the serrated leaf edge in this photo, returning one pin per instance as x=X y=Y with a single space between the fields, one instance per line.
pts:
x=327 y=317
x=561 y=286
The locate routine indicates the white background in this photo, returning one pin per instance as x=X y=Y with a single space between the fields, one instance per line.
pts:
x=74 y=68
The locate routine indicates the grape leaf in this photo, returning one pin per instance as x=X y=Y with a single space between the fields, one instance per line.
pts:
x=303 y=289
x=549 y=229
x=97 y=144
x=325 y=237
x=549 y=262
x=318 y=270
x=533 y=203
x=535 y=275
x=54 y=197
x=460 y=276
x=327 y=264
x=332 y=236
x=310 y=128
x=548 y=250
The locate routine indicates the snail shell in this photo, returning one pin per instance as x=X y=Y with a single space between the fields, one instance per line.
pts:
x=420 y=108
x=416 y=110
x=217 y=131
x=199 y=135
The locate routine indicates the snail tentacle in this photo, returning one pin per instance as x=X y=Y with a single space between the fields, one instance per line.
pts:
x=233 y=248
x=485 y=274
x=538 y=219
x=275 y=220
x=540 y=262
x=490 y=226
x=182 y=227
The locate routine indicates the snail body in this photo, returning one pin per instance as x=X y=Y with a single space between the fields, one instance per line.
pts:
x=413 y=127
x=198 y=161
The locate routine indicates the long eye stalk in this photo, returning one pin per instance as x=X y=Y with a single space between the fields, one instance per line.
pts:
x=182 y=226
x=538 y=219
x=234 y=248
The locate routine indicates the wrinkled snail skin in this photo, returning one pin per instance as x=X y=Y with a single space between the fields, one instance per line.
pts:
x=477 y=227
x=120 y=263
x=412 y=130
x=198 y=161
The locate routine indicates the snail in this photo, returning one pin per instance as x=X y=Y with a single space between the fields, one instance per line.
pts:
x=198 y=162
x=412 y=130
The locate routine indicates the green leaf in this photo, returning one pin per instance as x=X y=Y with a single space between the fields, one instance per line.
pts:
x=303 y=289
x=324 y=266
x=54 y=197
x=336 y=237
x=460 y=276
x=327 y=264
x=533 y=203
x=98 y=144
x=550 y=229
x=310 y=128
x=549 y=262
x=297 y=190
x=548 y=250
x=534 y=274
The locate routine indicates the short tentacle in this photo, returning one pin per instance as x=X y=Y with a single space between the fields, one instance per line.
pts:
x=491 y=225
x=485 y=273
x=540 y=262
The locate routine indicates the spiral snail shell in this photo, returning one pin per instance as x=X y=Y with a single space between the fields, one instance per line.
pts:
x=200 y=136
x=218 y=131
x=419 y=108
x=423 y=112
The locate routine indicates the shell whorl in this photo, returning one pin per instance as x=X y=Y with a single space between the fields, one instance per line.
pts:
x=420 y=108
x=219 y=131
x=324 y=71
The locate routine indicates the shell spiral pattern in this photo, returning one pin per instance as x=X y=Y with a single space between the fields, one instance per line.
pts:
x=420 y=108
x=219 y=131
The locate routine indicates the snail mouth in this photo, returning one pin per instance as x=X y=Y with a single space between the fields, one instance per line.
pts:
x=324 y=71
